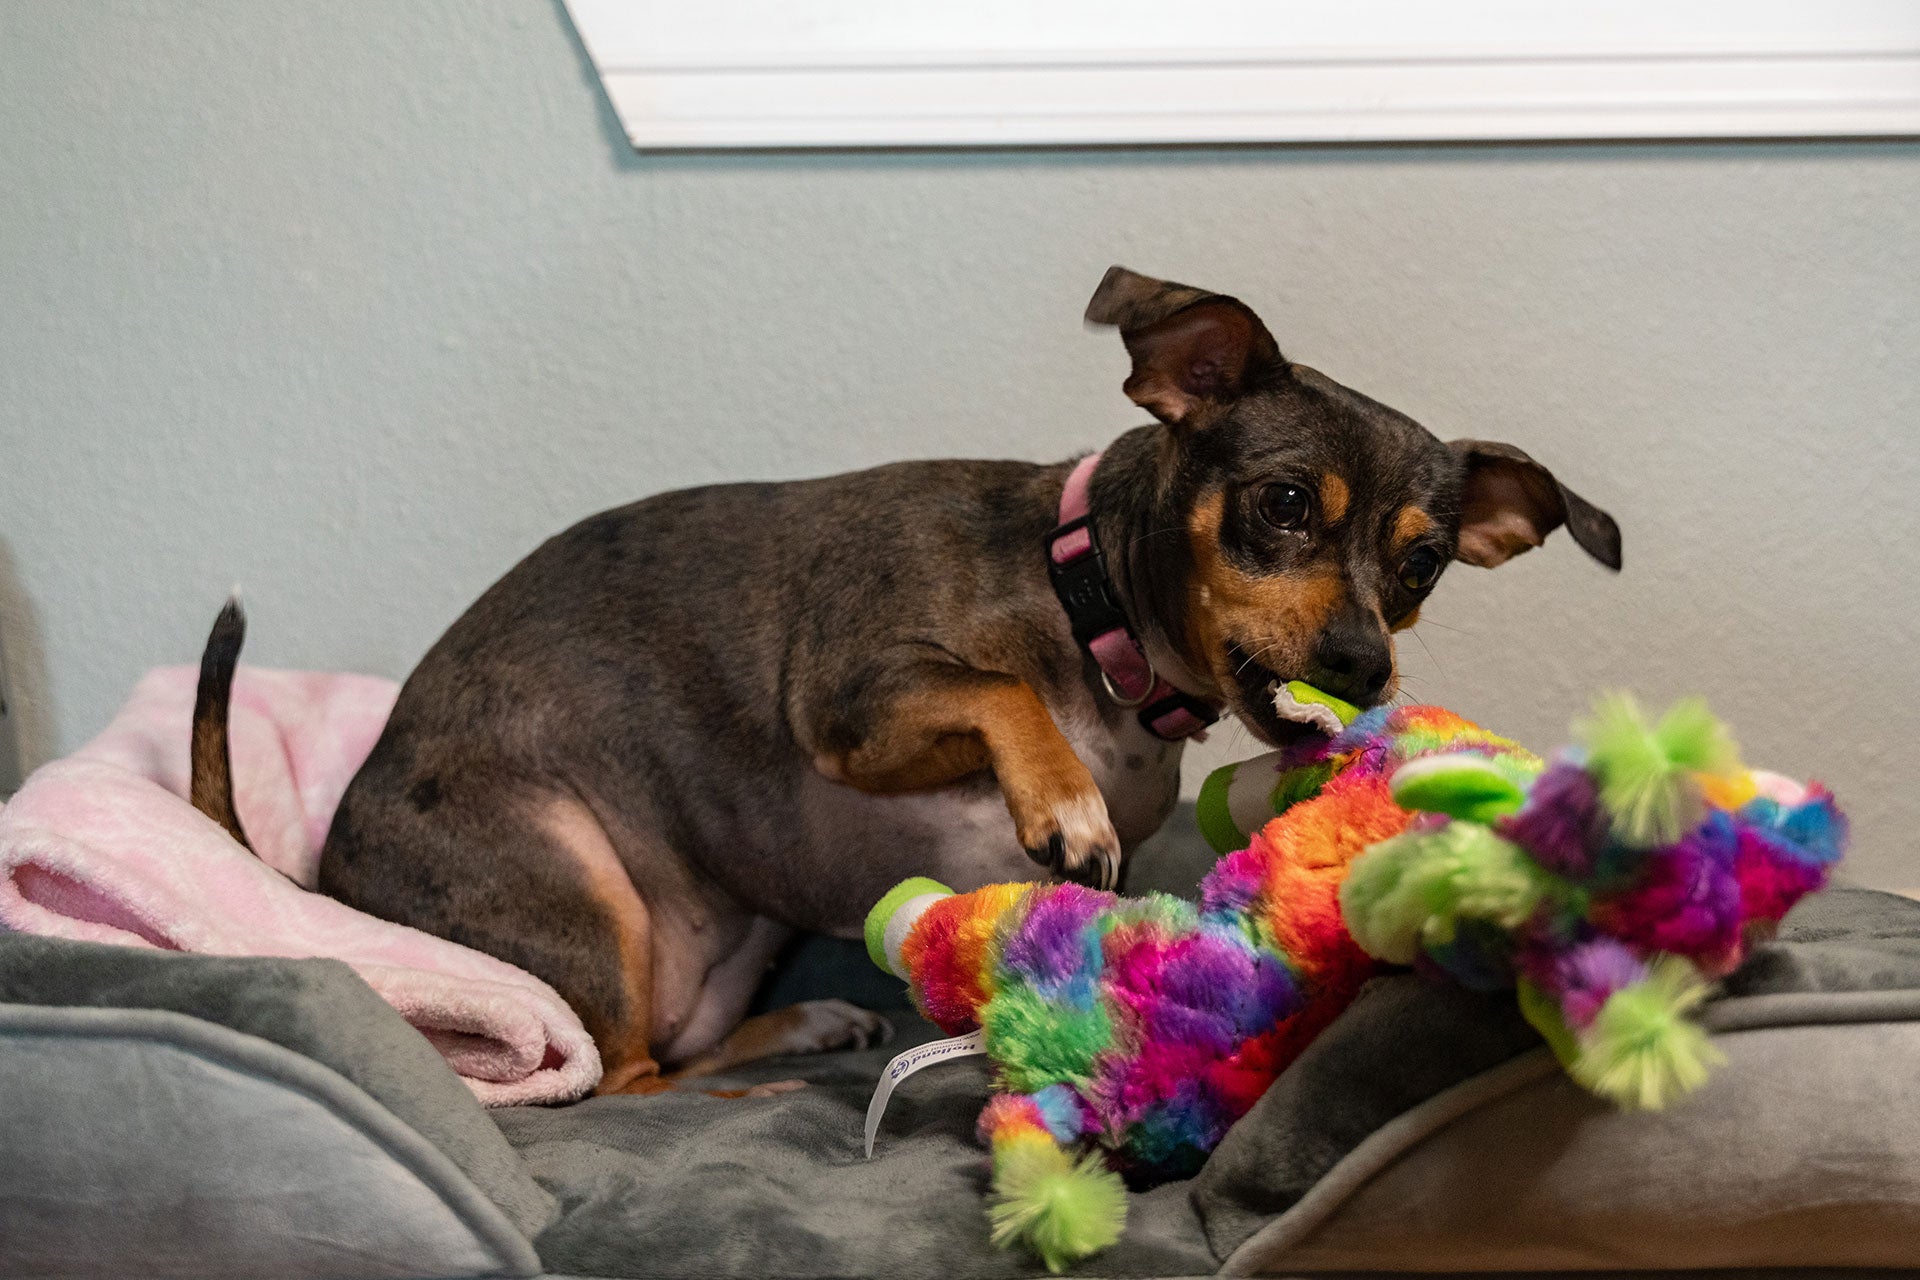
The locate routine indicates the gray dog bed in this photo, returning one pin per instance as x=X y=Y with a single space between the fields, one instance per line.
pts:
x=177 y=1115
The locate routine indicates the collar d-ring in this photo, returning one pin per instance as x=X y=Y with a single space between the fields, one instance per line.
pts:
x=1122 y=700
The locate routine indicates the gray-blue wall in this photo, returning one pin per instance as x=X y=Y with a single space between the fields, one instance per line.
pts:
x=356 y=302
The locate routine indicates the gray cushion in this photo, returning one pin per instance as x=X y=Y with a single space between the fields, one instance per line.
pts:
x=1423 y=1132
x=143 y=1142
x=318 y=1009
x=684 y=1185
x=1804 y=1150
x=1410 y=1137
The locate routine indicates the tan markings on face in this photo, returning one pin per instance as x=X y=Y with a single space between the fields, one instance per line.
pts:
x=1408 y=525
x=1276 y=618
x=1334 y=496
x=1407 y=621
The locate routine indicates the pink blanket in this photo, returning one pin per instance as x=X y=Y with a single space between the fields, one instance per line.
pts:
x=103 y=847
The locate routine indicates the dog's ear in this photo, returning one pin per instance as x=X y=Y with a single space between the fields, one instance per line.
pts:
x=1194 y=352
x=1510 y=503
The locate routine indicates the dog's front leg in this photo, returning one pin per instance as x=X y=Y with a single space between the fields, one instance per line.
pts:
x=920 y=723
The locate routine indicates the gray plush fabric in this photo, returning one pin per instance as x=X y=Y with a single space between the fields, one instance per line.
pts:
x=691 y=1186
x=1173 y=859
x=1804 y=1150
x=1404 y=1041
x=319 y=1009
x=1413 y=1058
x=147 y=1143
x=687 y=1186
x=1840 y=940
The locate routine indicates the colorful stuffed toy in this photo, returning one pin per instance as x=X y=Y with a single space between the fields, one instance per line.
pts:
x=1634 y=871
x=1138 y=1030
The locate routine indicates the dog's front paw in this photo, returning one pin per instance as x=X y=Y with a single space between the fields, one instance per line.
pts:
x=1074 y=840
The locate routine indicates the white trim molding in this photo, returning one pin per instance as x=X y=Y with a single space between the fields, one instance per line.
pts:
x=869 y=73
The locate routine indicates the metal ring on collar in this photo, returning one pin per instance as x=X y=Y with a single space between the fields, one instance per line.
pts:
x=1120 y=699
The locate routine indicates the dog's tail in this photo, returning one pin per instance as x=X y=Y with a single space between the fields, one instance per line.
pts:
x=210 y=785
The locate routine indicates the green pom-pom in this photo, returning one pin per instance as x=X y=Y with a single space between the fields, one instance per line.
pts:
x=1411 y=891
x=1464 y=785
x=1643 y=771
x=1642 y=1051
x=1694 y=738
x=1489 y=879
x=1538 y=1008
x=1061 y=1208
x=1382 y=907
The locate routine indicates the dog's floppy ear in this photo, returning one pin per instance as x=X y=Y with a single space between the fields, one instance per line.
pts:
x=1193 y=351
x=1510 y=503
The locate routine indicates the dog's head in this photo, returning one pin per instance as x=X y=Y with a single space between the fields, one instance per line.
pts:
x=1304 y=523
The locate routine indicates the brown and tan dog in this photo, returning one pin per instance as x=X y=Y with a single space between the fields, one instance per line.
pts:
x=685 y=728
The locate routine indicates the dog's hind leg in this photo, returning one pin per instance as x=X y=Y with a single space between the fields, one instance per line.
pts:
x=714 y=1040
x=530 y=879
x=628 y=1065
x=812 y=1026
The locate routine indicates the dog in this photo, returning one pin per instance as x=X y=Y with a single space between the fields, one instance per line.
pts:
x=684 y=729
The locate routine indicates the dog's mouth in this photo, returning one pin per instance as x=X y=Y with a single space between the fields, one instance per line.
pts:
x=1274 y=716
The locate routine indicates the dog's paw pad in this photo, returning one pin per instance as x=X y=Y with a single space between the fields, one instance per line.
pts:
x=822 y=1026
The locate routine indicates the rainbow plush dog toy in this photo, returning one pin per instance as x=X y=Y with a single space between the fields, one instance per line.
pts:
x=1608 y=887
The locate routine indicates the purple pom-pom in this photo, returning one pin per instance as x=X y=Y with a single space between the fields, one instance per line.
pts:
x=1582 y=977
x=1562 y=825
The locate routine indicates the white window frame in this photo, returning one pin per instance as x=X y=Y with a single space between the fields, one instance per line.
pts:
x=944 y=73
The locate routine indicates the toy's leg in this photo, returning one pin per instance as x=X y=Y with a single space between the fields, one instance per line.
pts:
x=1060 y=1205
x=939 y=942
x=1620 y=1026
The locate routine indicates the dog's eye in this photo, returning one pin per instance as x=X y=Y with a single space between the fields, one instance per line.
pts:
x=1284 y=506
x=1418 y=570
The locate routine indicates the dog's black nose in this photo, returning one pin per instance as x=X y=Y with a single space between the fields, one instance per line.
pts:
x=1354 y=660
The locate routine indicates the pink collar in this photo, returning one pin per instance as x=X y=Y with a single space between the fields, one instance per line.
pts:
x=1079 y=574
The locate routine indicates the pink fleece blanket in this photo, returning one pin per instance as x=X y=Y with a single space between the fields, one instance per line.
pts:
x=103 y=847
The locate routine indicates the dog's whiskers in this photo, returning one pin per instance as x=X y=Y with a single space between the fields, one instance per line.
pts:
x=1256 y=655
x=1152 y=533
x=1429 y=652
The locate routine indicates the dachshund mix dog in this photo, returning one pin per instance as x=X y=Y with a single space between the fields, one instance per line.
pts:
x=683 y=729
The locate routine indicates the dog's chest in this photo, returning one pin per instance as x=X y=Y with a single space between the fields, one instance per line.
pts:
x=1138 y=773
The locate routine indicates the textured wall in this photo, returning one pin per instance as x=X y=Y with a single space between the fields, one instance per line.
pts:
x=355 y=303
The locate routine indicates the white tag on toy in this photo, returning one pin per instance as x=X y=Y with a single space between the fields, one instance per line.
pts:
x=905 y=1064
